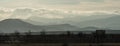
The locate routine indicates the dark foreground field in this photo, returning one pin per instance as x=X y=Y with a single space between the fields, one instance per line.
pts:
x=60 y=44
x=96 y=38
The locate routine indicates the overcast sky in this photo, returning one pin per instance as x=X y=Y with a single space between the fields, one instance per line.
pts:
x=62 y=7
x=63 y=4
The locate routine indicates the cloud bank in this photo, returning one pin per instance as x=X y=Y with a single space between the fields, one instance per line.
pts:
x=25 y=13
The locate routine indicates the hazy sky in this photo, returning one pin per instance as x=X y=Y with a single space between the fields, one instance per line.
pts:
x=63 y=7
x=63 y=4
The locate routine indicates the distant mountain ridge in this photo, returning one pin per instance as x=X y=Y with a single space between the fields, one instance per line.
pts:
x=61 y=27
x=72 y=19
x=11 y=25
x=111 y=23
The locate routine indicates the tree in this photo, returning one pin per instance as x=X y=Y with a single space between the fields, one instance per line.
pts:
x=68 y=33
x=16 y=33
x=80 y=34
x=43 y=32
x=28 y=37
x=29 y=32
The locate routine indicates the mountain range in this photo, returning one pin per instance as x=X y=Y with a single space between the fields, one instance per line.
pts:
x=12 y=25
x=110 y=23
x=99 y=22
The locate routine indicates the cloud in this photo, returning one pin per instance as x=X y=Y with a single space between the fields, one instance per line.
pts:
x=25 y=13
x=92 y=0
x=58 y=2
x=22 y=12
x=4 y=14
x=23 y=3
x=63 y=4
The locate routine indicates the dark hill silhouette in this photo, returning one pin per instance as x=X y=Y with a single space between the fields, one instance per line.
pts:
x=11 y=25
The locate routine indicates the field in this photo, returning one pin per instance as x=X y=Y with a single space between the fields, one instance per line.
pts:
x=61 y=44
